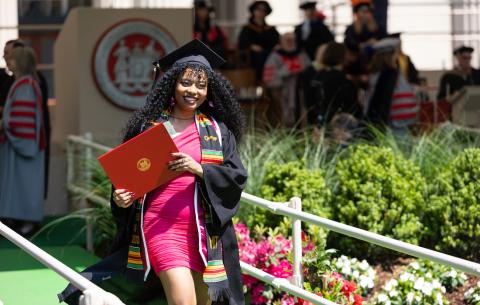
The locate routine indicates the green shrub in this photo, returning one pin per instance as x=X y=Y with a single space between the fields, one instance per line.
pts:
x=453 y=212
x=380 y=192
x=285 y=181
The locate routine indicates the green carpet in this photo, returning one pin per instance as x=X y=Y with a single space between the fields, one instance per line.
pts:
x=25 y=281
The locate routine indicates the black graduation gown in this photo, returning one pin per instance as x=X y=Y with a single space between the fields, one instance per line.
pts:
x=265 y=36
x=319 y=34
x=454 y=82
x=354 y=38
x=222 y=185
x=213 y=36
x=326 y=93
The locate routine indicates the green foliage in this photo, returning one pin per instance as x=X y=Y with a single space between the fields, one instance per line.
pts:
x=380 y=192
x=288 y=180
x=454 y=208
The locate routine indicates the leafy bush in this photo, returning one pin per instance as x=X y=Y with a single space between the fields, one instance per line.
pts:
x=472 y=295
x=285 y=181
x=454 y=208
x=380 y=192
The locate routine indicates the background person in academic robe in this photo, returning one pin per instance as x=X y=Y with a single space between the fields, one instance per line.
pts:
x=22 y=149
x=312 y=32
x=405 y=63
x=463 y=74
x=364 y=31
x=257 y=39
x=5 y=86
x=184 y=227
x=280 y=76
x=391 y=100
x=206 y=30
x=326 y=89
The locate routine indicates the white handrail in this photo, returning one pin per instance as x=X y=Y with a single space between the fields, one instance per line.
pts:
x=386 y=242
x=40 y=255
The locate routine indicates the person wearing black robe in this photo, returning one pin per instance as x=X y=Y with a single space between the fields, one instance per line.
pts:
x=326 y=89
x=219 y=187
x=364 y=31
x=312 y=32
x=257 y=39
x=206 y=30
x=462 y=75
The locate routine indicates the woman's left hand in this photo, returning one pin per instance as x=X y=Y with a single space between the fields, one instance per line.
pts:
x=185 y=163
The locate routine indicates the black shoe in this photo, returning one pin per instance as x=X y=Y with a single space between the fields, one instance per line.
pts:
x=28 y=228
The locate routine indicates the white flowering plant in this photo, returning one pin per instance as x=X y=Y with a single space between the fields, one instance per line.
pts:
x=472 y=295
x=358 y=271
x=421 y=283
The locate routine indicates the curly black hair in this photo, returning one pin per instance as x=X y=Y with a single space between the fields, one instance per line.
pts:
x=220 y=92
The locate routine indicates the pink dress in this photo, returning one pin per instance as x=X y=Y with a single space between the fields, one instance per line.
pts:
x=170 y=227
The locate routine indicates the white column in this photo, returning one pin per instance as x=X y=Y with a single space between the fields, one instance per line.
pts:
x=8 y=23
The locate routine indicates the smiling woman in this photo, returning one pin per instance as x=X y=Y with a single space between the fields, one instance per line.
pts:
x=183 y=229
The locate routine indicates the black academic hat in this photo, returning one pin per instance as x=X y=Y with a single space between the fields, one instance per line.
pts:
x=463 y=49
x=308 y=5
x=255 y=4
x=395 y=35
x=203 y=4
x=193 y=52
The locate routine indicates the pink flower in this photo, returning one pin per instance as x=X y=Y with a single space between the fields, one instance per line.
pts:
x=243 y=234
x=287 y=300
x=264 y=251
x=257 y=296
x=281 y=270
x=249 y=281
x=283 y=245
x=248 y=252
x=310 y=246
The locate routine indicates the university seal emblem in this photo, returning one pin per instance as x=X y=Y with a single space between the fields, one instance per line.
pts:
x=144 y=164
x=122 y=60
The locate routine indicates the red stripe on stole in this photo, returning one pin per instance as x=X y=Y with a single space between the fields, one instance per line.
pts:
x=20 y=103
x=404 y=105
x=403 y=116
x=27 y=114
x=24 y=135
x=403 y=95
x=14 y=124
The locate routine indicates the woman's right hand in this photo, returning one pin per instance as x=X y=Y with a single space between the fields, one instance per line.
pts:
x=123 y=198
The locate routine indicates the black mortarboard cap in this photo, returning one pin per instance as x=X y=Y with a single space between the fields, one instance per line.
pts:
x=395 y=35
x=308 y=5
x=193 y=52
x=463 y=49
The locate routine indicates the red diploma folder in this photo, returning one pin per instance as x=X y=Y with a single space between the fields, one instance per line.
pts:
x=140 y=164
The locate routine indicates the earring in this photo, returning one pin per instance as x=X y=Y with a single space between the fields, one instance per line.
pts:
x=210 y=103
x=172 y=102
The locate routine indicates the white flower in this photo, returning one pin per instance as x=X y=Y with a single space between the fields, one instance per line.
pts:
x=382 y=298
x=419 y=283
x=476 y=298
x=427 y=289
x=468 y=293
x=436 y=284
x=366 y=282
x=410 y=298
x=364 y=265
x=439 y=299
x=452 y=273
x=356 y=274
x=418 y=298
x=443 y=290
x=371 y=273
x=405 y=276
x=478 y=283
x=393 y=293
x=390 y=284
x=463 y=276
x=346 y=270
x=415 y=265
x=428 y=275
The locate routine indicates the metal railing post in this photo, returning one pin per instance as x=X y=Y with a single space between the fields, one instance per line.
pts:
x=297 y=279
x=88 y=183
